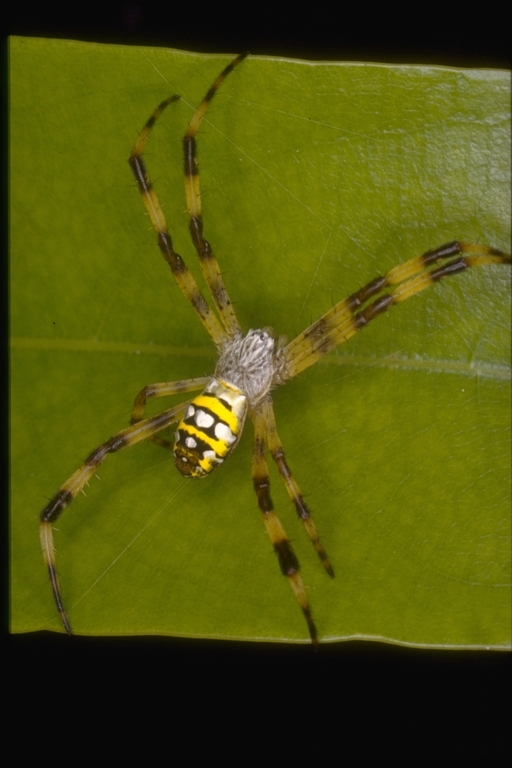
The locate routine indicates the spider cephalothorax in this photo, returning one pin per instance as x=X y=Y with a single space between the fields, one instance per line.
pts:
x=249 y=367
x=247 y=362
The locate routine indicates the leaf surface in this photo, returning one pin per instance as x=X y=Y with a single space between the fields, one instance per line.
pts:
x=316 y=177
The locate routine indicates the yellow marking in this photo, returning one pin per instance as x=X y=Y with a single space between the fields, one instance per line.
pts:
x=79 y=478
x=214 y=405
x=200 y=112
x=300 y=592
x=193 y=193
x=479 y=250
x=208 y=465
x=221 y=447
x=482 y=261
x=197 y=118
x=312 y=532
x=231 y=387
x=403 y=271
x=45 y=531
x=411 y=287
x=274 y=528
x=155 y=211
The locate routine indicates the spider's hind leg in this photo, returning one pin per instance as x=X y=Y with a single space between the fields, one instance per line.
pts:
x=287 y=558
x=302 y=509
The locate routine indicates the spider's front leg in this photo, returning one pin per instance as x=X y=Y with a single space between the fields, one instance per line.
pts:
x=207 y=259
x=402 y=282
x=142 y=430
x=287 y=559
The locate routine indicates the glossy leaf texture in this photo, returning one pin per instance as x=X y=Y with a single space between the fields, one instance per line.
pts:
x=316 y=178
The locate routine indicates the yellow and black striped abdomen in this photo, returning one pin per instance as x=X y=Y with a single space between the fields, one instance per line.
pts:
x=210 y=429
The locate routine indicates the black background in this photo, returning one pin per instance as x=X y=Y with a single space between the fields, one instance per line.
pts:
x=454 y=34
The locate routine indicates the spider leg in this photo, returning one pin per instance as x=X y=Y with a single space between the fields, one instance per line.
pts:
x=276 y=449
x=142 y=430
x=182 y=274
x=209 y=263
x=287 y=559
x=164 y=389
x=349 y=316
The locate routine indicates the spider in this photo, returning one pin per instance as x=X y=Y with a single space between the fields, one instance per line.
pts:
x=249 y=366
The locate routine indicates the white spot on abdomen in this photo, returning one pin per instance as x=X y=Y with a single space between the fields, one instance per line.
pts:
x=203 y=419
x=223 y=432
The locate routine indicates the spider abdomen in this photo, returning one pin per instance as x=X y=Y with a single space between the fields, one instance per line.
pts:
x=210 y=429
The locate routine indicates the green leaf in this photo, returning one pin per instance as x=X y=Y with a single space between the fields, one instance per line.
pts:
x=316 y=178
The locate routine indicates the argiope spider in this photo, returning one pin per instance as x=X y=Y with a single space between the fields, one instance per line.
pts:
x=248 y=368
